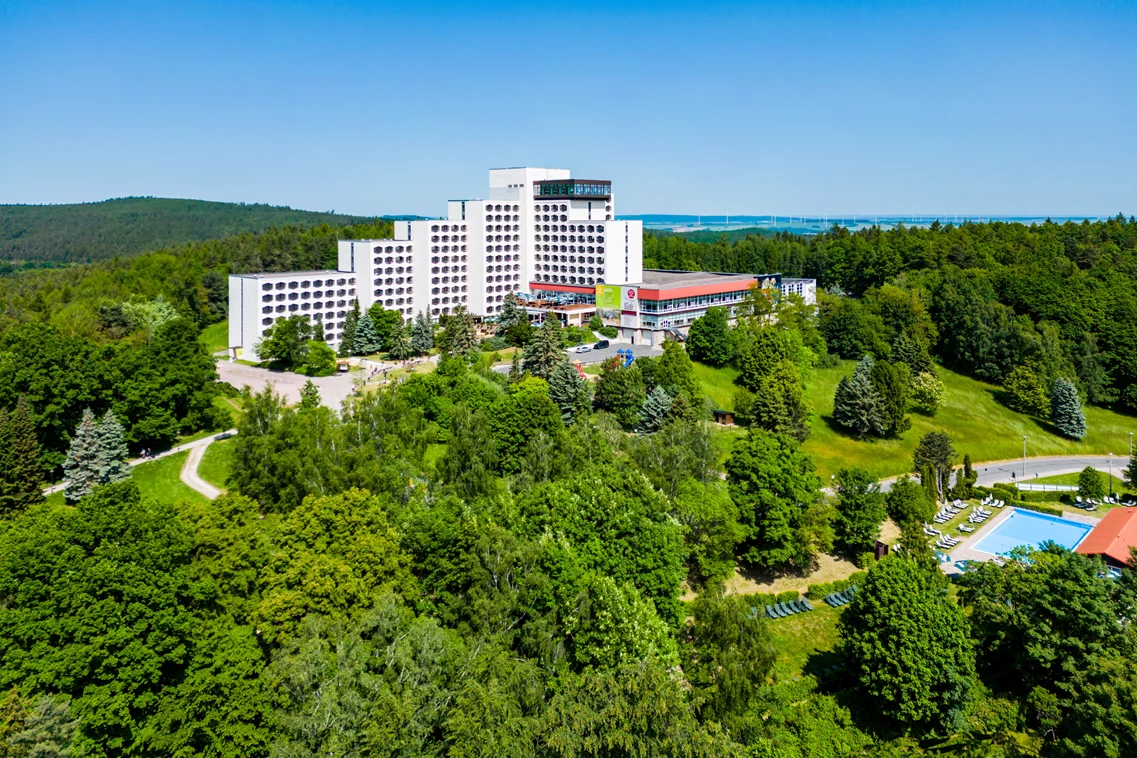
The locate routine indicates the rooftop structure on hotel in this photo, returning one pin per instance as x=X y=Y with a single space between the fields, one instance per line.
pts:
x=1113 y=537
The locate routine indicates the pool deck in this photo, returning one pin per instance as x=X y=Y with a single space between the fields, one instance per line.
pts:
x=966 y=552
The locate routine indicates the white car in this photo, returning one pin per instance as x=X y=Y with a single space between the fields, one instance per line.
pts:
x=584 y=349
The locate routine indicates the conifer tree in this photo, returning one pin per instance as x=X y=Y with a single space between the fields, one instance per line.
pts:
x=309 y=395
x=113 y=453
x=569 y=391
x=893 y=386
x=1066 y=409
x=511 y=313
x=857 y=404
x=653 y=414
x=21 y=475
x=366 y=340
x=461 y=337
x=544 y=352
x=81 y=468
x=913 y=354
x=399 y=341
x=422 y=334
x=347 y=339
x=515 y=372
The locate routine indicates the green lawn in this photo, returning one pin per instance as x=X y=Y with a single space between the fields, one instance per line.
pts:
x=216 y=462
x=805 y=643
x=718 y=384
x=215 y=337
x=1072 y=480
x=159 y=480
x=978 y=424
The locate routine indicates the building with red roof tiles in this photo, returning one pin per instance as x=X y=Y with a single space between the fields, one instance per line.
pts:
x=1113 y=537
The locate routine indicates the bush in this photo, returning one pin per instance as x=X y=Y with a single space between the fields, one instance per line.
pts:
x=819 y=591
x=828 y=360
x=609 y=331
x=787 y=597
x=494 y=343
x=1048 y=509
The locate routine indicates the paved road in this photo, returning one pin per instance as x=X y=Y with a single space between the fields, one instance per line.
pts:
x=1036 y=468
x=599 y=356
x=202 y=443
x=190 y=476
x=333 y=389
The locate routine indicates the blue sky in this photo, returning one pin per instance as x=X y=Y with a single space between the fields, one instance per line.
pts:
x=757 y=108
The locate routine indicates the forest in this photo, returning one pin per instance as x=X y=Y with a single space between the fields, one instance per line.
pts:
x=86 y=232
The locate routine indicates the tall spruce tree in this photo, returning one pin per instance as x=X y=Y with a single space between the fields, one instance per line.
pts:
x=569 y=391
x=113 y=453
x=653 y=414
x=461 y=337
x=347 y=338
x=366 y=340
x=21 y=475
x=893 y=384
x=1066 y=409
x=422 y=334
x=511 y=313
x=399 y=341
x=857 y=404
x=544 y=352
x=81 y=468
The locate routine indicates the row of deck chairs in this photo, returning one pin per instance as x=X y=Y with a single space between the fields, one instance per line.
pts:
x=837 y=599
x=949 y=511
x=781 y=610
x=1089 y=504
x=979 y=514
x=991 y=501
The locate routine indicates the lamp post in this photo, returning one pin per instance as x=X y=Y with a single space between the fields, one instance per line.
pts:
x=1024 y=456
x=1111 y=474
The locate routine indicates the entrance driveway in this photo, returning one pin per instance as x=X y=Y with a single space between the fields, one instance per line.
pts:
x=333 y=389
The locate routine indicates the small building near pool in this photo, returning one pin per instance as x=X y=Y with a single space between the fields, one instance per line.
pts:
x=1113 y=537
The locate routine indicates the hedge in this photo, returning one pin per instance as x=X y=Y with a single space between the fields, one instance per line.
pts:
x=609 y=331
x=1051 y=510
x=819 y=591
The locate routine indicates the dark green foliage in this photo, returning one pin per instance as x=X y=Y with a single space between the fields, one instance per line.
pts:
x=83 y=459
x=860 y=510
x=1091 y=484
x=777 y=493
x=511 y=314
x=318 y=360
x=543 y=353
x=655 y=410
x=285 y=343
x=1066 y=409
x=519 y=415
x=708 y=340
x=470 y=460
x=21 y=475
x=365 y=340
x=857 y=404
x=126 y=226
x=569 y=390
x=676 y=374
x=935 y=452
x=907 y=502
x=422 y=334
x=849 y=328
x=459 y=337
x=350 y=324
x=399 y=342
x=908 y=647
x=107 y=583
x=113 y=464
x=893 y=385
x=779 y=403
x=620 y=391
x=386 y=322
x=913 y=354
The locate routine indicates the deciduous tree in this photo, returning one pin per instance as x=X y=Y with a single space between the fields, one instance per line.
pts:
x=708 y=340
x=860 y=510
x=935 y=451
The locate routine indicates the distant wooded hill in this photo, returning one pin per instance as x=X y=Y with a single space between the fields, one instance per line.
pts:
x=88 y=232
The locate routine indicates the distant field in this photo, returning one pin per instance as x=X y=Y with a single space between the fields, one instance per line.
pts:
x=978 y=424
x=216 y=463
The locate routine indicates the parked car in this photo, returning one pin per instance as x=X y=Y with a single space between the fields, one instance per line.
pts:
x=584 y=349
x=600 y=345
x=224 y=435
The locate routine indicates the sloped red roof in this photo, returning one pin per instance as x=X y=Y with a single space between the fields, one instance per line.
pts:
x=1113 y=536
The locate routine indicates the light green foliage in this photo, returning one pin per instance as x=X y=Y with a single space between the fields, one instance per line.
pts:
x=149 y=315
x=21 y=475
x=908 y=647
x=48 y=730
x=319 y=360
x=470 y=459
x=614 y=626
x=759 y=349
x=655 y=410
x=334 y=554
x=676 y=374
x=386 y=322
x=83 y=459
x=935 y=452
x=928 y=392
x=907 y=502
x=570 y=391
x=1066 y=409
x=422 y=334
x=309 y=395
x=681 y=450
x=366 y=340
x=285 y=343
x=620 y=391
x=778 y=497
x=543 y=353
x=106 y=581
x=860 y=510
x=792 y=720
x=779 y=405
x=1027 y=392
x=711 y=529
x=1091 y=484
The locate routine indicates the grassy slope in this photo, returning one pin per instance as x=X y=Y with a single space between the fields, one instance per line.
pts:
x=805 y=642
x=159 y=480
x=977 y=422
x=215 y=336
x=1072 y=480
x=216 y=463
x=93 y=231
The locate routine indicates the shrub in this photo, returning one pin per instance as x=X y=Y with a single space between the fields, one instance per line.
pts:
x=609 y=331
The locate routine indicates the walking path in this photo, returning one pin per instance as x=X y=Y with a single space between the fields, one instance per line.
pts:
x=189 y=474
x=1014 y=471
x=192 y=446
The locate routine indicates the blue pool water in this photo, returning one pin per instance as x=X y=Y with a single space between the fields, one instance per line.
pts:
x=1031 y=529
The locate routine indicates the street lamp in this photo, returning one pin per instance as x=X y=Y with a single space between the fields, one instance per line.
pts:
x=1111 y=475
x=1024 y=456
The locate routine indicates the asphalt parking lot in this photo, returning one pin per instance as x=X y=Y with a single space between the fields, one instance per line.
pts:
x=599 y=356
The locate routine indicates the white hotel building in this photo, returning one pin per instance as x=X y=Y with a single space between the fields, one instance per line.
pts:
x=537 y=227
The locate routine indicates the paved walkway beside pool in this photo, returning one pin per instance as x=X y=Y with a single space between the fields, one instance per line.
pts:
x=966 y=551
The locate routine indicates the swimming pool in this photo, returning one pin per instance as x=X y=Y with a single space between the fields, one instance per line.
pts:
x=1031 y=529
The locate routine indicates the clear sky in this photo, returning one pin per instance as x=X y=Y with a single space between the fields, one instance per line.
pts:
x=695 y=107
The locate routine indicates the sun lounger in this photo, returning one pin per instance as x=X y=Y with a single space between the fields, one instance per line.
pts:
x=808 y=605
x=789 y=608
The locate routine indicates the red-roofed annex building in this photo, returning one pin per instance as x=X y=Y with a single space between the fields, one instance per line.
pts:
x=1112 y=537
